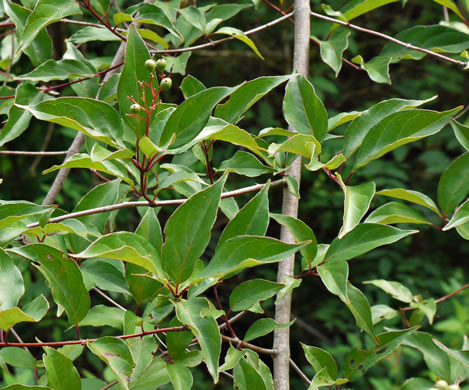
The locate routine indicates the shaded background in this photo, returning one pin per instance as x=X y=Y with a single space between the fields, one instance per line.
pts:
x=431 y=263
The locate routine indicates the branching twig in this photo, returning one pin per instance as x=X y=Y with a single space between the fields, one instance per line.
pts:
x=241 y=343
x=26 y=153
x=389 y=38
x=217 y=42
x=109 y=299
x=299 y=372
x=86 y=341
x=174 y=202
x=439 y=300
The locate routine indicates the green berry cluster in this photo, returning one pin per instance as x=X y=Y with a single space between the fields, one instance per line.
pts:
x=160 y=66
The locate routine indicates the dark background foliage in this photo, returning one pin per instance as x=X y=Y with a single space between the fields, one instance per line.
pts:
x=430 y=263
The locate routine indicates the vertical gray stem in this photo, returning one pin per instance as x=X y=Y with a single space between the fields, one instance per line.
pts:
x=290 y=207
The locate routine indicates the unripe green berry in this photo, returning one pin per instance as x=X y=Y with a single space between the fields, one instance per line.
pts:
x=136 y=108
x=150 y=65
x=166 y=83
x=161 y=65
x=454 y=387
x=441 y=385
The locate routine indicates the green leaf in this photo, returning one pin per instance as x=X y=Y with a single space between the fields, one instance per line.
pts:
x=90 y=33
x=181 y=376
x=234 y=135
x=102 y=195
x=178 y=177
x=247 y=377
x=301 y=232
x=40 y=49
x=396 y=289
x=134 y=70
x=382 y=312
x=252 y=219
x=221 y=13
x=82 y=160
x=238 y=34
x=462 y=133
x=59 y=70
x=140 y=285
x=249 y=294
x=116 y=354
x=150 y=35
x=64 y=278
x=262 y=327
x=101 y=315
x=60 y=372
x=357 y=200
x=333 y=49
x=11 y=282
x=18 y=357
x=355 y=8
x=437 y=361
x=334 y=275
x=85 y=115
x=197 y=314
x=188 y=231
x=103 y=274
x=290 y=284
x=71 y=225
x=150 y=229
x=369 y=119
x=178 y=64
x=188 y=120
x=302 y=144
x=46 y=12
x=451 y=5
x=246 y=96
x=232 y=358
x=377 y=68
x=190 y=86
x=395 y=212
x=460 y=216
x=454 y=184
x=399 y=129
x=320 y=359
x=195 y=17
x=153 y=14
x=12 y=211
x=154 y=376
x=37 y=308
x=436 y=38
x=128 y=247
x=247 y=251
x=303 y=110
x=13 y=316
x=18 y=117
x=411 y=196
x=460 y=356
x=359 y=361
x=342 y=118
x=360 y=308
x=334 y=163
x=363 y=239
x=246 y=164
x=427 y=307
x=102 y=6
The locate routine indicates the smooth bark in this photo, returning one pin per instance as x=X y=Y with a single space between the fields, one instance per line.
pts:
x=290 y=207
